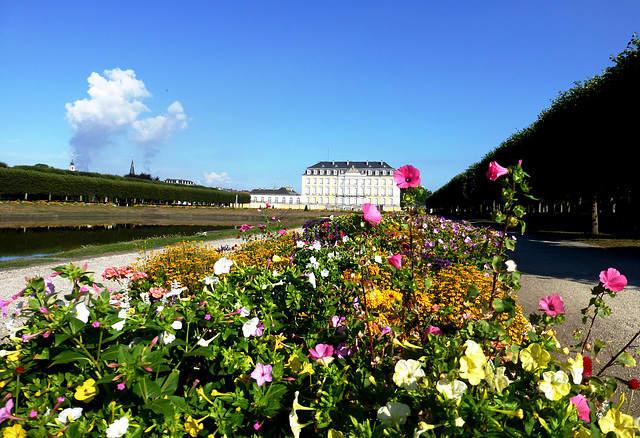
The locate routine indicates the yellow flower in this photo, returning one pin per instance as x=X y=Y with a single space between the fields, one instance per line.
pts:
x=576 y=368
x=618 y=423
x=87 y=391
x=15 y=431
x=534 y=358
x=472 y=363
x=14 y=357
x=555 y=385
x=192 y=426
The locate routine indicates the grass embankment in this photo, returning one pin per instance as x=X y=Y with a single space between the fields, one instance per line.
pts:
x=41 y=214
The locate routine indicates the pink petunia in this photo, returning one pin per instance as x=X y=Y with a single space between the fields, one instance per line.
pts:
x=395 y=260
x=612 y=279
x=433 y=330
x=262 y=374
x=371 y=213
x=580 y=401
x=407 y=176
x=496 y=171
x=552 y=304
x=323 y=353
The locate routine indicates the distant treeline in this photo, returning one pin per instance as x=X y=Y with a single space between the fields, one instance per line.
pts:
x=582 y=154
x=41 y=182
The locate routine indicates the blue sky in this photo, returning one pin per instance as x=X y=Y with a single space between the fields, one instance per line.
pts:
x=247 y=94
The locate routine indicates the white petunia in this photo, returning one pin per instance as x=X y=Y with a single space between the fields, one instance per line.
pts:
x=69 y=415
x=407 y=372
x=176 y=325
x=118 y=428
x=167 y=338
x=82 y=313
x=312 y=280
x=250 y=327
x=394 y=413
x=222 y=266
x=324 y=273
x=451 y=390
x=202 y=342
x=122 y=314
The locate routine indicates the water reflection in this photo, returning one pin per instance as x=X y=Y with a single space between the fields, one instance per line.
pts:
x=38 y=241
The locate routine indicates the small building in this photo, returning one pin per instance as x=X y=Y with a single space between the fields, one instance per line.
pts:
x=179 y=181
x=283 y=198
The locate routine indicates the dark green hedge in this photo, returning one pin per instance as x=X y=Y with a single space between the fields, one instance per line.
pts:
x=579 y=150
x=48 y=183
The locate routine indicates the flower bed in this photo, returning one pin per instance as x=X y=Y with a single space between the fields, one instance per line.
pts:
x=361 y=326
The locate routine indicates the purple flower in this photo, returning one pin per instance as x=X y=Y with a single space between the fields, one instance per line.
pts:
x=343 y=350
x=49 y=287
x=4 y=304
x=95 y=324
x=322 y=353
x=262 y=374
x=433 y=330
x=5 y=413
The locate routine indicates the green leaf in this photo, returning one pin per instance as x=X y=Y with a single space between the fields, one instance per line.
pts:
x=626 y=359
x=472 y=292
x=163 y=406
x=169 y=385
x=147 y=389
x=71 y=356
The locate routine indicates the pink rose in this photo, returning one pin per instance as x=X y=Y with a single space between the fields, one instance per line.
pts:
x=496 y=171
x=612 y=279
x=552 y=304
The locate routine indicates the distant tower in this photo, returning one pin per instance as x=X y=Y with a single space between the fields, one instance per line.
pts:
x=72 y=166
x=132 y=172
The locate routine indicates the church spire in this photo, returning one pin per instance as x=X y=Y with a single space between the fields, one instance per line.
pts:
x=132 y=172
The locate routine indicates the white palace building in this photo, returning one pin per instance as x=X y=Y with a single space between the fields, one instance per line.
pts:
x=337 y=185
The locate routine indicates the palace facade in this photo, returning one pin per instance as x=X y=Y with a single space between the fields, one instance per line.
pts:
x=346 y=185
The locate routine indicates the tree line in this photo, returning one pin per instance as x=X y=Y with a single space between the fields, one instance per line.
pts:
x=47 y=183
x=581 y=154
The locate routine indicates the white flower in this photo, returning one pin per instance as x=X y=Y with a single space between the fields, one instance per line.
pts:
x=69 y=414
x=244 y=311
x=312 y=280
x=394 y=413
x=222 y=266
x=511 y=265
x=202 y=342
x=459 y=422
x=211 y=280
x=122 y=314
x=299 y=244
x=316 y=246
x=82 y=313
x=176 y=325
x=313 y=263
x=118 y=428
x=250 y=327
x=167 y=338
x=324 y=273
x=576 y=368
x=451 y=390
x=407 y=373
x=377 y=259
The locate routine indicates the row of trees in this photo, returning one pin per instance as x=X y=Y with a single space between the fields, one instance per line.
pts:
x=580 y=153
x=45 y=183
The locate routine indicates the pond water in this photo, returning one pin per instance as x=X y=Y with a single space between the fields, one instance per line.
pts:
x=38 y=241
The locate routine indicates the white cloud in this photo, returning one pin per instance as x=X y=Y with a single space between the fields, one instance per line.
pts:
x=216 y=179
x=113 y=108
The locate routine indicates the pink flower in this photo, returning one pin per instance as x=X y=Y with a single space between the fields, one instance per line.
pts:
x=395 y=260
x=322 y=353
x=580 y=401
x=433 y=330
x=612 y=279
x=407 y=176
x=371 y=213
x=552 y=304
x=262 y=374
x=5 y=413
x=496 y=171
